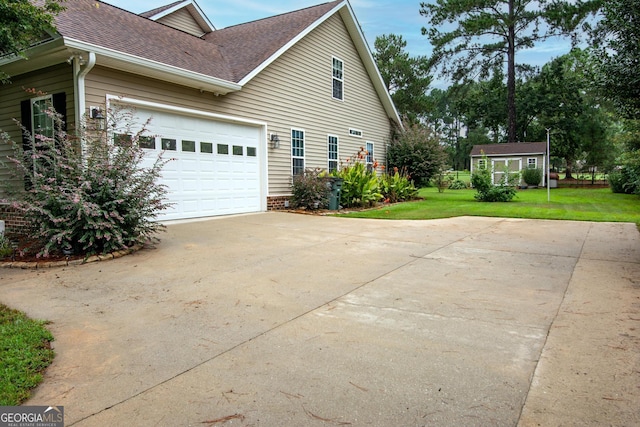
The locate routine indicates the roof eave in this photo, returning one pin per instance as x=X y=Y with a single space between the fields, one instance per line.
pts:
x=38 y=57
x=350 y=20
x=508 y=154
x=149 y=68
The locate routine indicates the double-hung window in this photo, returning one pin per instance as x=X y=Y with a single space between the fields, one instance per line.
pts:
x=297 y=152
x=333 y=153
x=338 y=79
x=369 y=155
x=532 y=163
x=41 y=119
x=482 y=164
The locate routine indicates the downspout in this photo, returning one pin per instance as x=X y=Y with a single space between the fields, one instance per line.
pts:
x=80 y=69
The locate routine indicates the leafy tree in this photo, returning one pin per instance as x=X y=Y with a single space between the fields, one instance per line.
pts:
x=617 y=73
x=488 y=31
x=617 y=41
x=578 y=122
x=23 y=22
x=416 y=150
x=407 y=78
x=483 y=105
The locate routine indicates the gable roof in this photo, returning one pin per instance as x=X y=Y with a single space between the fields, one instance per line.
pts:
x=249 y=45
x=511 y=148
x=190 y=6
x=221 y=61
x=159 y=10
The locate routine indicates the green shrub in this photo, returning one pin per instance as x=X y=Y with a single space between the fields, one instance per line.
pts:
x=418 y=151
x=532 y=176
x=96 y=201
x=617 y=181
x=458 y=185
x=442 y=180
x=360 y=186
x=486 y=191
x=310 y=190
x=626 y=179
x=397 y=187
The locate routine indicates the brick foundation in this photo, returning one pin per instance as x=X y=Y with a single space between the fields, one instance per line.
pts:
x=276 y=203
x=14 y=222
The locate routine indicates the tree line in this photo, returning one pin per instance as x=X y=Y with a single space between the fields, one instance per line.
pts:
x=588 y=98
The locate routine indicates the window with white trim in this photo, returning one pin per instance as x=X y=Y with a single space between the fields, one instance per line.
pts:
x=338 y=79
x=482 y=164
x=41 y=119
x=369 y=154
x=532 y=163
x=332 y=149
x=297 y=152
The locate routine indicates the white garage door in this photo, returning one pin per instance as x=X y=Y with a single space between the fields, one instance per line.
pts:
x=215 y=168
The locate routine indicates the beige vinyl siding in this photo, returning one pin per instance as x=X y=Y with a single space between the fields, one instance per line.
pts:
x=55 y=79
x=294 y=92
x=182 y=20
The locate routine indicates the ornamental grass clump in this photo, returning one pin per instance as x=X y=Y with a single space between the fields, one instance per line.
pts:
x=92 y=197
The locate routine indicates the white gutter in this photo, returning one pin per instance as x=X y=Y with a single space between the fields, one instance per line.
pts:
x=80 y=70
x=150 y=68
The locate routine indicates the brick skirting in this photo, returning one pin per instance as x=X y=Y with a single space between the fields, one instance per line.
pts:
x=14 y=222
x=276 y=203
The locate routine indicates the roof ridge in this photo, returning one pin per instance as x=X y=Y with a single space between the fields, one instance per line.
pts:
x=281 y=14
x=160 y=9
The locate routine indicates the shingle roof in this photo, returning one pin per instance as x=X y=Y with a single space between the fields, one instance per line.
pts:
x=107 y=26
x=246 y=46
x=228 y=54
x=157 y=10
x=510 y=148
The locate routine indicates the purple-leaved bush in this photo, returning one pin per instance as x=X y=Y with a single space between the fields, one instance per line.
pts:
x=92 y=197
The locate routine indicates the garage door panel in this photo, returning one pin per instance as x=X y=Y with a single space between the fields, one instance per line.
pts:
x=202 y=182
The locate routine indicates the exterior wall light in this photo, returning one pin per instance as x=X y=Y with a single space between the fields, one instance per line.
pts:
x=275 y=140
x=96 y=114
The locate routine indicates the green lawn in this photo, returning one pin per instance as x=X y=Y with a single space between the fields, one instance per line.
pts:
x=25 y=352
x=566 y=203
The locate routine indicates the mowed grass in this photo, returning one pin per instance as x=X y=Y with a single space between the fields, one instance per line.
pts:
x=566 y=204
x=25 y=352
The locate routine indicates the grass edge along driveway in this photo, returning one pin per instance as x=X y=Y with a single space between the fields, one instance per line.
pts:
x=25 y=352
x=600 y=205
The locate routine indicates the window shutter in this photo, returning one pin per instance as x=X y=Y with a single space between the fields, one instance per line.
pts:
x=25 y=119
x=59 y=102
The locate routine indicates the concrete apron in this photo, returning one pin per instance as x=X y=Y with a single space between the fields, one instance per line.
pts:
x=282 y=319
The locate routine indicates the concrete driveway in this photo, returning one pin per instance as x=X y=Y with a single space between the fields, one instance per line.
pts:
x=280 y=319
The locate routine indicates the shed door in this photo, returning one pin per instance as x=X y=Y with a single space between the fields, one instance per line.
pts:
x=501 y=167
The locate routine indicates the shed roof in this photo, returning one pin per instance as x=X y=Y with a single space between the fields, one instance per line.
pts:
x=512 y=148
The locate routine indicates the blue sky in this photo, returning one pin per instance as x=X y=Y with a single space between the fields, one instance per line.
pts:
x=376 y=17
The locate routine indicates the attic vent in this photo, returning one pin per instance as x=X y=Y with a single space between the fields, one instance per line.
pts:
x=355 y=132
